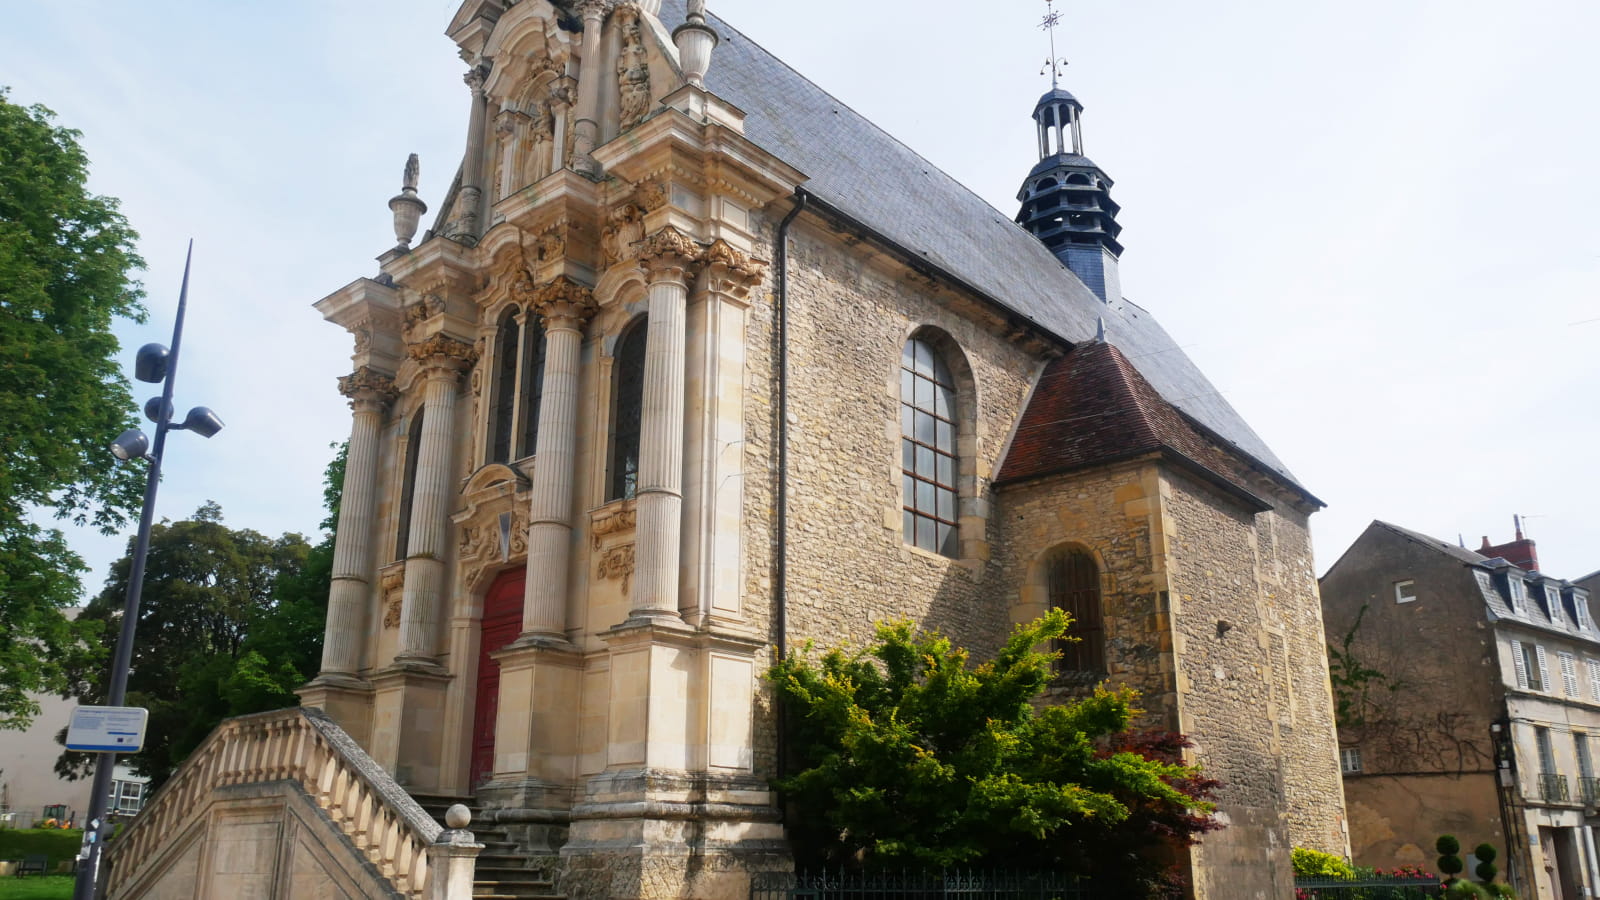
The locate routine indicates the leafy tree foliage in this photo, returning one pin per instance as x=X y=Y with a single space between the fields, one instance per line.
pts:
x=909 y=755
x=66 y=257
x=230 y=623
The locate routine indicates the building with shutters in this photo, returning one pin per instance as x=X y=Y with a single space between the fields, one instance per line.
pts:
x=695 y=364
x=1468 y=685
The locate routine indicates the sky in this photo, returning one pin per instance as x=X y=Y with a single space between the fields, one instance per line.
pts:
x=1371 y=223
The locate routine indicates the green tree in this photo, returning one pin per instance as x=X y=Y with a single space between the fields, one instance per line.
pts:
x=906 y=754
x=66 y=258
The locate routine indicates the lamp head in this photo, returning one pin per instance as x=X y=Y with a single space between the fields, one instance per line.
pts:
x=202 y=421
x=131 y=444
x=151 y=363
x=156 y=411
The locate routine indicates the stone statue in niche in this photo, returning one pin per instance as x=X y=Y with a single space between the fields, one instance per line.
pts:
x=624 y=229
x=633 y=72
x=541 y=132
x=505 y=132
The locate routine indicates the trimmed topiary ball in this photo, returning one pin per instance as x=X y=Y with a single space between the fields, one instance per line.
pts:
x=1485 y=869
x=1449 y=863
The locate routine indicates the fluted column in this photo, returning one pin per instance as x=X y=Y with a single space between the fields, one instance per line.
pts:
x=469 y=203
x=667 y=257
x=442 y=360
x=565 y=305
x=370 y=393
x=586 y=129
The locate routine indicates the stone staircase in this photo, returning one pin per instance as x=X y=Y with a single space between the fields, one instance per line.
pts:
x=502 y=872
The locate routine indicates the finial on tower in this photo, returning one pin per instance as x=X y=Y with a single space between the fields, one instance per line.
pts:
x=695 y=41
x=407 y=206
x=1053 y=63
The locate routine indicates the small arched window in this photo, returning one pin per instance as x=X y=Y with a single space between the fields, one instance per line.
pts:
x=1073 y=582
x=533 y=343
x=409 y=487
x=504 y=389
x=622 y=478
x=928 y=460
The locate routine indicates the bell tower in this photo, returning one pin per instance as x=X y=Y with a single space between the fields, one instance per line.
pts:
x=1066 y=198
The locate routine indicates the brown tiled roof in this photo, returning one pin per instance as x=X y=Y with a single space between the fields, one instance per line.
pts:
x=1091 y=407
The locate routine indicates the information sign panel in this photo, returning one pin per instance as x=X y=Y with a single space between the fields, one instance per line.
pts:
x=107 y=729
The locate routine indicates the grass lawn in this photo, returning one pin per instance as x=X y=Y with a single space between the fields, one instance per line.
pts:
x=33 y=887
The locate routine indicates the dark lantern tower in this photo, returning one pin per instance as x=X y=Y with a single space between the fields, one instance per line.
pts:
x=1066 y=198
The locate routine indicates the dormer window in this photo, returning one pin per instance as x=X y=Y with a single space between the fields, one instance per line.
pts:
x=1519 y=593
x=1580 y=611
x=1552 y=604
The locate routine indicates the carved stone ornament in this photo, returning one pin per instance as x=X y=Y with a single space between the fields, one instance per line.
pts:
x=426 y=307
x=367 y=383
x=443 y=349
x=617 y=522
x=668 y=248
x=363 y=338
x=652 y=195
x=734 y=261
x=624 y=230
x=617 y=562
x=392 y=584
x=633 y=70
x=482 y=542
x=552 y=245
x=564 y=298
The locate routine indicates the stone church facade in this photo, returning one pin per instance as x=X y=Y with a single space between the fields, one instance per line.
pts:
x=694 y=365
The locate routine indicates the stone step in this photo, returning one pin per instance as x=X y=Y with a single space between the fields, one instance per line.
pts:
x=502 y=872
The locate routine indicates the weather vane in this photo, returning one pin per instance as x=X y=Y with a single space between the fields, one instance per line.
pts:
x=1053 y=64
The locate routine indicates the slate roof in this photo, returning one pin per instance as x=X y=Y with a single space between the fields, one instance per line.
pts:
x=1092 y=406
x=1433 y=543
x=857 y=169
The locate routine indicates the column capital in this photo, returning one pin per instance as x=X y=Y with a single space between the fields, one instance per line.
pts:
x=475 y=78
x=368 y=389
x=595 y=10
x=731 y=271
x=668 y=255
x=442 y=352
x=563 y=301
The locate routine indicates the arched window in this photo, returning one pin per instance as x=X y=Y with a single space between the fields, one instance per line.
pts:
x=532 y=384
x=504 y=389
x=622 y=478
x=1073 y=582
x=928 y=459
x=409 y=487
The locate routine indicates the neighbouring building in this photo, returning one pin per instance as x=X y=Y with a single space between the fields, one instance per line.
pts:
x=695 y=364
x=1468 y=685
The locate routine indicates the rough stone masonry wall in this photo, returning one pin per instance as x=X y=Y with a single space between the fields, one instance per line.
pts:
x=1109 y=512
x=1253 y=683
x=849 y=566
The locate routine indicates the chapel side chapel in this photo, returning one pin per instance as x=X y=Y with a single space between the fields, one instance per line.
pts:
x=694 y=364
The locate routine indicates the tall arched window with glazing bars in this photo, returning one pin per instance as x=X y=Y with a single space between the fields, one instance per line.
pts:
x=517 y=388
x=627 y=405
x=928 y=458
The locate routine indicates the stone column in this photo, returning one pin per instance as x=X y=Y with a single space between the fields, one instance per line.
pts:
x=470 y=201
x=586 y=130
x=442 y=359
x=667 y=257
x=565 y=305
x=370 y=394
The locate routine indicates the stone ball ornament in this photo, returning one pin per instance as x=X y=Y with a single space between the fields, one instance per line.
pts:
x=457 y=816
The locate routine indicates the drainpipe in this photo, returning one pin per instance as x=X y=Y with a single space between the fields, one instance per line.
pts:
x=780 y=563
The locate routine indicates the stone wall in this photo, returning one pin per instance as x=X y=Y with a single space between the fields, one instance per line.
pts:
x=1394 y=820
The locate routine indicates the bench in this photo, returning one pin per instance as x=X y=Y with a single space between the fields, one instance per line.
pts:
x=32 y=864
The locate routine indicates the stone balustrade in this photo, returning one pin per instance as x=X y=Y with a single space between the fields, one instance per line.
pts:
x=419 y=857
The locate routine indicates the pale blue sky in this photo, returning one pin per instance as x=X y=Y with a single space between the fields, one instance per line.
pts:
x=1371 y=223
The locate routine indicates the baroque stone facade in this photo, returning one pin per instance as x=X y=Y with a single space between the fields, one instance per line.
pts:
x=667 y=386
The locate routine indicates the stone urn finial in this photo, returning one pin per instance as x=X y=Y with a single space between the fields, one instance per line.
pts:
x=407 y=206
x=695 y=40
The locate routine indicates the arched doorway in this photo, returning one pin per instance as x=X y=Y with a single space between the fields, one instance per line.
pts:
x=502 y=622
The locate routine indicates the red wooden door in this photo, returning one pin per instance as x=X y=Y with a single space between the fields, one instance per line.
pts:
x=502 y=622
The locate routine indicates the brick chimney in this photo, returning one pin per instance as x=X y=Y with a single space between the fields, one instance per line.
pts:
x=1520 y=552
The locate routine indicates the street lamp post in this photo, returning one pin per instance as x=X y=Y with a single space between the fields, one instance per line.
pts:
x=155 y=363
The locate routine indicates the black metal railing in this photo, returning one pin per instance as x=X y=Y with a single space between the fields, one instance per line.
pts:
x=1371 y=888
x=1553 y=789
x=919 y=885
x=1589 y=788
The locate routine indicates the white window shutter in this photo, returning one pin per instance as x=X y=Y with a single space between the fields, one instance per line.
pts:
x=1569 y=674
x=1544 y=667
x=1522 y=668
x=1594 y=679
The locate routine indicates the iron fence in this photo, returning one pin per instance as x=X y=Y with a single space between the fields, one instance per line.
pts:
x=1372 y=888
x=918 y=885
